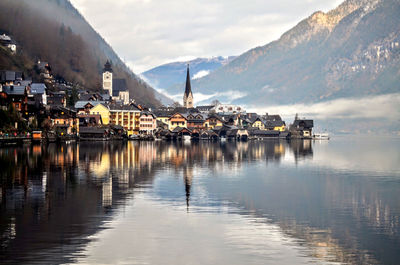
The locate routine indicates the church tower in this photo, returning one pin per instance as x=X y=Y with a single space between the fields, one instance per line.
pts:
x=107 y=78
x=188 y=96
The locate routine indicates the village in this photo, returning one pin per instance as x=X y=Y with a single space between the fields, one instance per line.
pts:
x=50 y=110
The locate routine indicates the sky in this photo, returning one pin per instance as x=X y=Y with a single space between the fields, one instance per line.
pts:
x=148 y=33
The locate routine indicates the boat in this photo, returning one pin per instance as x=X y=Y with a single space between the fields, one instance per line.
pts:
x=321 y=136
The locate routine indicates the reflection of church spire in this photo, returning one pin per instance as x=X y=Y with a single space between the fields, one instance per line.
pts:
x=188 y=176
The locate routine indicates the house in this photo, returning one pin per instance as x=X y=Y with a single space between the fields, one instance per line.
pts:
x=40 y=90
x=213 y=121
x=147 y=123
x=89 y=120
x=227 y=109
x=86 y=106
x=9 y=78
x=302 y=128
x=17 y=96
x=205 y=109
x=258 y=123
x=177 y=120
x=63 y=120
x=163 y=115
x=195 y=120
x=57 y=99
x=103 y=111
x=6 y=41
x=274 y=122
x=126 y=116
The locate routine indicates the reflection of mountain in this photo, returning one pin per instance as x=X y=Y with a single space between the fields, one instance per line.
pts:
x=52 y=198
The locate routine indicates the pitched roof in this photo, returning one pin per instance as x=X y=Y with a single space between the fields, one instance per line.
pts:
x=119 y=107
x=81 y=104
x=38 y=88
x=14 y=90
x=117 y=86
x=303 y=123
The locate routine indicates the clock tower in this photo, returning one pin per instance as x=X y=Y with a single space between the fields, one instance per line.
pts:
x=107 y=78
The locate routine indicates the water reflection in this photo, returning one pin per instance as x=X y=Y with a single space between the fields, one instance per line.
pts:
x=55 y=198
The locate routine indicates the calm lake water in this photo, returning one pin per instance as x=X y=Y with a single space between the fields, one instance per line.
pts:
x=263 y=202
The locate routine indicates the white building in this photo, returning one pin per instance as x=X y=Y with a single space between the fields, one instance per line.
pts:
x=228 y=109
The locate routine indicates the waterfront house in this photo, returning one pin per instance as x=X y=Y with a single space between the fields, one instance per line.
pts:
x=302 y=128
x=258 y=123
x=63 y=120
x=147 y=123
x=126 y=116
x=177 y=120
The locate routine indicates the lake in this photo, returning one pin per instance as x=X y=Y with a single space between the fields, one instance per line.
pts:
x=256 y=202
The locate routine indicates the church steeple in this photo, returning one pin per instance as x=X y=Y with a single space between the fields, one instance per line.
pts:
x=188 y=95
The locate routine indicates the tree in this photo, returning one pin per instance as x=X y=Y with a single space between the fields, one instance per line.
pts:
x=215 y=102
x=73 y=97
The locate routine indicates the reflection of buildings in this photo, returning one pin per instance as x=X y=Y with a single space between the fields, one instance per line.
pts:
x=46 y=184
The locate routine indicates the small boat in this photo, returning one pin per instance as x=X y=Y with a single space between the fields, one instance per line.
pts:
x=321 y=136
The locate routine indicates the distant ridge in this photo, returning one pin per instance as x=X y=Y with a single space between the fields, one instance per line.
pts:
x=350 y=51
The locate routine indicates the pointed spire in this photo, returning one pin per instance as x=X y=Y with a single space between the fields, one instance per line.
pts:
x=188 y=88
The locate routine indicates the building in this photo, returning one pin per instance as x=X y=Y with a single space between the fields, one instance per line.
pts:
x=86 y=106
x=302 y=128
x=6 y=41
x=116 y=88
x=213 y=121
x=103 y=111
x=177 y=120
x=57 y=99
x=147 y=123
x=39 y=90
x=17 y=96
x=120 y=91
x=126 y=116
x=195 y=120
x=227 y=109
x=108 y=78
x=188 y=95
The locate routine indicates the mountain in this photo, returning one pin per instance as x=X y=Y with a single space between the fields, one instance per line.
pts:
x=349 y=52
x=167 y=77
x=54 y=31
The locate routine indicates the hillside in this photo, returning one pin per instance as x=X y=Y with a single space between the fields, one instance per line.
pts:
x=54 y=31
x=351 y=51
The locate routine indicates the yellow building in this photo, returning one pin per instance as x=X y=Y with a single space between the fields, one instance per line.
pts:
x=103 y=111
x=258 y=123
x=126 y=116
x=213 y=121
x=177 y=120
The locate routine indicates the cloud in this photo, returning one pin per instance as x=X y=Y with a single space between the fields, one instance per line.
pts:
x=201 y=74
x=374 y=107
x=148 y=33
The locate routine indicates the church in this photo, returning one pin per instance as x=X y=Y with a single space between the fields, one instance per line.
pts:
x=117 y=88
x=188 y=95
